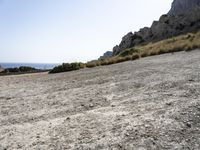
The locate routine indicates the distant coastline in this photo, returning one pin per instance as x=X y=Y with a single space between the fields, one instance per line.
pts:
x=43 y=66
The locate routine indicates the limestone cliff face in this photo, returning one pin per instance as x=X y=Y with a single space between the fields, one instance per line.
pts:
x=183 y=17
x=181 y=6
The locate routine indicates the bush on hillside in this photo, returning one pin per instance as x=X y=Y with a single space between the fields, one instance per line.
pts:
x=22 y=69
x=26 y=69
x=67 y=67
x=11 y=70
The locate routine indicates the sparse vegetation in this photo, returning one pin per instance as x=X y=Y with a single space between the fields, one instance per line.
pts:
x=67 y=67
x=22 y=69
x=19 y=70
x=92 y=64
x=185 y=42
x=26 y=69
x=135 y=56
x=128 y=52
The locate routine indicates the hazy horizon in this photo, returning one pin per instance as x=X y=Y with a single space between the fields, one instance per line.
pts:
x=50 y=31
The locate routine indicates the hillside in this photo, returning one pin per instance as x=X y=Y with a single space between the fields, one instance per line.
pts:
x=178 y=30
x=150 y=103
x=185 y=42
x=183 y=17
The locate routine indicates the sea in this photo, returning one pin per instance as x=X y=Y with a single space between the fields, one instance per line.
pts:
x=34 y=65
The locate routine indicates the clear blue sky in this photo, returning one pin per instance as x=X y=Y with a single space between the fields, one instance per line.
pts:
x=55 y=31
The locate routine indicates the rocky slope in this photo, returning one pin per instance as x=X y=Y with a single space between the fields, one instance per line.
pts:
x=183 y=17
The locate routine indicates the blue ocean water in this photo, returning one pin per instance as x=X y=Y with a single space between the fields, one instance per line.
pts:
x=35 y=65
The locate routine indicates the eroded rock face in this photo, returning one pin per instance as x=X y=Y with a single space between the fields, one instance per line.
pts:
x=183 y=17
x=106 y=55
x=128 y=40
x=181 y=6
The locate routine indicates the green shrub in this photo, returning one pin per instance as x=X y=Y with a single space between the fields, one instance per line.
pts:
x=26 y=69
x=11 y=70
x=67 y=67
x=22 y=69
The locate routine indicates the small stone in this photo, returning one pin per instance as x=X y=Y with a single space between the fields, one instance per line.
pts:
x=126 y=134
x=112 y=105
x=188 y=125
x=103 y=136
x=120 y=145
x=91 y=105
x=68 y=118
x=191 y=80
x=169 y=103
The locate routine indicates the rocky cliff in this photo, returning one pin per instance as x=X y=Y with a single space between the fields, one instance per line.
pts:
x=180 y=6
x=183 y=17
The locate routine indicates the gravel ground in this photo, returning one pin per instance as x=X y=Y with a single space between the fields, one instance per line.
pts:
x=149 y=104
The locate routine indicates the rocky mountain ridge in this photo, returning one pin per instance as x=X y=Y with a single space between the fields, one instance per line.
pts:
x=183 y=17
x=181 y=6
x=106 y=55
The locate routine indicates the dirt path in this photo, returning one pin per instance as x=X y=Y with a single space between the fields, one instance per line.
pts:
x=151 y=103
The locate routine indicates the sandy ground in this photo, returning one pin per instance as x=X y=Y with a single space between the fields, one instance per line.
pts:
x=149 y=104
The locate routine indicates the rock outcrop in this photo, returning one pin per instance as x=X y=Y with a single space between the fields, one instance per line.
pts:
x=180 y=6
x=106 y=55
x=183 y=17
